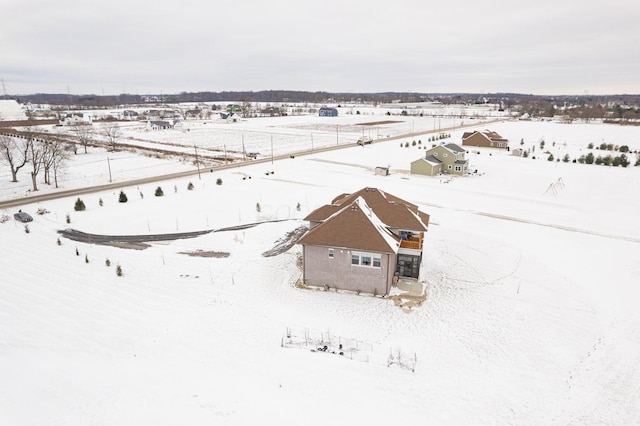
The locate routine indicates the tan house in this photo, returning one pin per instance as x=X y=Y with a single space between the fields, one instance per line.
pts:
x=447 y=158
x=485 y=139
x=363 y=242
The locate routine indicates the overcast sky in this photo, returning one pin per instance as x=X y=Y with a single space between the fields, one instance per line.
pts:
x=139 y=46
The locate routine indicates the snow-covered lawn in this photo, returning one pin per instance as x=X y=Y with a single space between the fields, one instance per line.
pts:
x=530 y=316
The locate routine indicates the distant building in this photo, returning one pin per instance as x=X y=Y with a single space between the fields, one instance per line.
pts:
x=74 y=118
x=159 y=125
x=485 y=139
x=327 y=112
x=11 y=110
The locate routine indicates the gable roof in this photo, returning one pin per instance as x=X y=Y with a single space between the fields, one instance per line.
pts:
x=488 y=134
x=394 y=212
x=432 y=159
x=455 y=147
x=354 y=226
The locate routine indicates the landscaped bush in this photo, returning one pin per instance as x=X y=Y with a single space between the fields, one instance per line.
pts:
x=159 y=192
x=218 y=181
x=79 y=206
x=122 y=197
x=190 y=186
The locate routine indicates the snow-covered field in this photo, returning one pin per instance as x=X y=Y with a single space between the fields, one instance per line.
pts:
x=530 y=317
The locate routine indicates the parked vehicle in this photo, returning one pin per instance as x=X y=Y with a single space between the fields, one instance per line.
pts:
x=364 y=140
x=22 y=217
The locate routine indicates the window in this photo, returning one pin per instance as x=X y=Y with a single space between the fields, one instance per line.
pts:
x=444 y=155
x=435 y=154
x=449 y=166
x=365 y=259
x=330 y=253
x=458 y=168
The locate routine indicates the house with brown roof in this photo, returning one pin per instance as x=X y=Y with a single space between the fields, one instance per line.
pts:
x=363 y=242
x=449 y=158
x=485 y=139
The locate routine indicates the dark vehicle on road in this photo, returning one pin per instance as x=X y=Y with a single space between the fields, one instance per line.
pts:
x=22 y=217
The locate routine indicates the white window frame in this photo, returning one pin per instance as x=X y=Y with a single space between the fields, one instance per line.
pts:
x=331 y=252
x=375 y=259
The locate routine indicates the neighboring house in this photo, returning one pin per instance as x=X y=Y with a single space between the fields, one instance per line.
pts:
x=193 y=113
x=486 y=139
x=159 y=125
x=363 y=242
x=74 y=118
x=229 y=117
x=327 y=112
x=128 y=114
x=447 y=158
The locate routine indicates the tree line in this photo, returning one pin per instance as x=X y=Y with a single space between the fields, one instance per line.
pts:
x=45 y=154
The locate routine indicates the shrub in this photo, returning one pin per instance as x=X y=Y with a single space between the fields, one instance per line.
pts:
x=77 y=252
x=190 y=186
x=68 y=218
x=624 y=161
x=122 y=198
x=589 y=159
x=59 y=242
x=119 y=270
x=525 y=154
x=566 y=158
x=298 y=207
x=603 y=146
x=598 y=160
x=86 y=258
x=590 y=146
x=159 y=192
x=26 y=229
x=258 y=207
x=79 y=206
x=107 y=262
x=606 y=160
x=218 y=181
x=100 y=202
x=616 y=161
x=581 y=159
x=624 y=148
x=550 y=158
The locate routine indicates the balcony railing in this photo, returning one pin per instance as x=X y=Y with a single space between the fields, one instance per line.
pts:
x=414 y=244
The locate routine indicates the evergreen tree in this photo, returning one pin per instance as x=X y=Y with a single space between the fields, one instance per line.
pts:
x=122 y=197
x=159 y=192
x=79 y=206
x=589 y=159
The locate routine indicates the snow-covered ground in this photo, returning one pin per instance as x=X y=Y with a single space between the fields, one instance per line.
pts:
x=530 y=317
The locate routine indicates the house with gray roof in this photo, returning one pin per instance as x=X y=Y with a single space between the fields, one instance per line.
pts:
x=447 y=158
x=363 y=242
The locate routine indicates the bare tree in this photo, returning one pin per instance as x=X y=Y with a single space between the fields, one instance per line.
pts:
x=84 y=134
x=14 y=152
x=36 y=154
x=112 y=131
x=53 y=156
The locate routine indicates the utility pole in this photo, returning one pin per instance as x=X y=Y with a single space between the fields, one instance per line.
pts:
x=337 y=143
x=109 y=165
x=197 y=161
x=271 y=149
